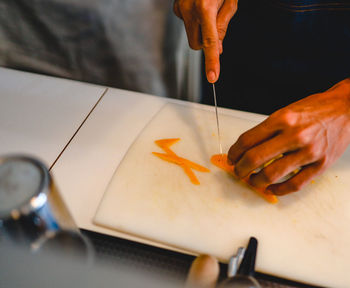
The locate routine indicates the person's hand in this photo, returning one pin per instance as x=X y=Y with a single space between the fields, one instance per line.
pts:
x=204 y=273
x=310 y=133
x=206 y=23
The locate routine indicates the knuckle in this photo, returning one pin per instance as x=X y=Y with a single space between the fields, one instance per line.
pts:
x=250 y=159
x=186 y=10
x=268 y=175
x=209 y=42
x=233 y=5
x=203 y=6
x=185 y=7
x=312 y=153
x=288 y=117
x=221 y=31
x=301 y=139
x=243 y=141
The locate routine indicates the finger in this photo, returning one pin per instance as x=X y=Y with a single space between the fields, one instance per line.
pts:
x=210 y=42
x=193 y=33
x=298 y=181
x=192 y=25
x=279 y=170
x=204 y=272
x=257 y=156
x=221 y=49
x=226 y=12
x=251 y=138
x=177 y=10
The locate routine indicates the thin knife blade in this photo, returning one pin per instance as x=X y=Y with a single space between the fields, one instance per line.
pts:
x=217 y=120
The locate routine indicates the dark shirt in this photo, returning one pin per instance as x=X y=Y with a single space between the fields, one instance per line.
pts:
x=279 y=51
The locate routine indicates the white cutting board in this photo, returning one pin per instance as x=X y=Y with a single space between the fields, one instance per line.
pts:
x=305 y=237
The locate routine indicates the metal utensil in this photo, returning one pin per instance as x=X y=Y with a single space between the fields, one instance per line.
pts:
x=217 y=119
x=32 y=212
x=241 y=268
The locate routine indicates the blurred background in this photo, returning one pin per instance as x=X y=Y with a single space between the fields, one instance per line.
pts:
x=142 y=46
x=134 y=45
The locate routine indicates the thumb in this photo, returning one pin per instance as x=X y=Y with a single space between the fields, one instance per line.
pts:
x=204 y=272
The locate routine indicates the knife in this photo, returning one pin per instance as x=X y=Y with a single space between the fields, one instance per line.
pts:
x=217 y=120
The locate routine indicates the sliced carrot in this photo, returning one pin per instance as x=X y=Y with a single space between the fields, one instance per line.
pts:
x=193 y=165
x=171 y=157
x=167 y=157
x=166 y=142
x=181 y=161
x=220 y=160
x=191 y=175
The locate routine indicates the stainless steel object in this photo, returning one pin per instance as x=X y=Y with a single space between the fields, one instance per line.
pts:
x=241 y=268
x=235 y=262
x=32 y=212
x=217 y=119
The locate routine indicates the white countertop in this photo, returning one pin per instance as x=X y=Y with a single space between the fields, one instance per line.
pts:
x=39 y=114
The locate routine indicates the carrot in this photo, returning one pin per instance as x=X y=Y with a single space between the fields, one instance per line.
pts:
x=220 y=160
x=166 y=142
x=181 y=161
x=191 y=175
x=171 y=157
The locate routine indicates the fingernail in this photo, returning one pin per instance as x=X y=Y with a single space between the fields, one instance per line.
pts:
x=211 y=76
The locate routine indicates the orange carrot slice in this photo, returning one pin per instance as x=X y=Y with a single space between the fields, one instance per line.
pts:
x=191 y=175
x=181 y=161
x=167 y=157
x=193 y=165
x=166 y=142
x=171 y=157
x=220 y=160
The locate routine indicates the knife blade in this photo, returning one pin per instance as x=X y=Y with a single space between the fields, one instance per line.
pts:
x=217 y=119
